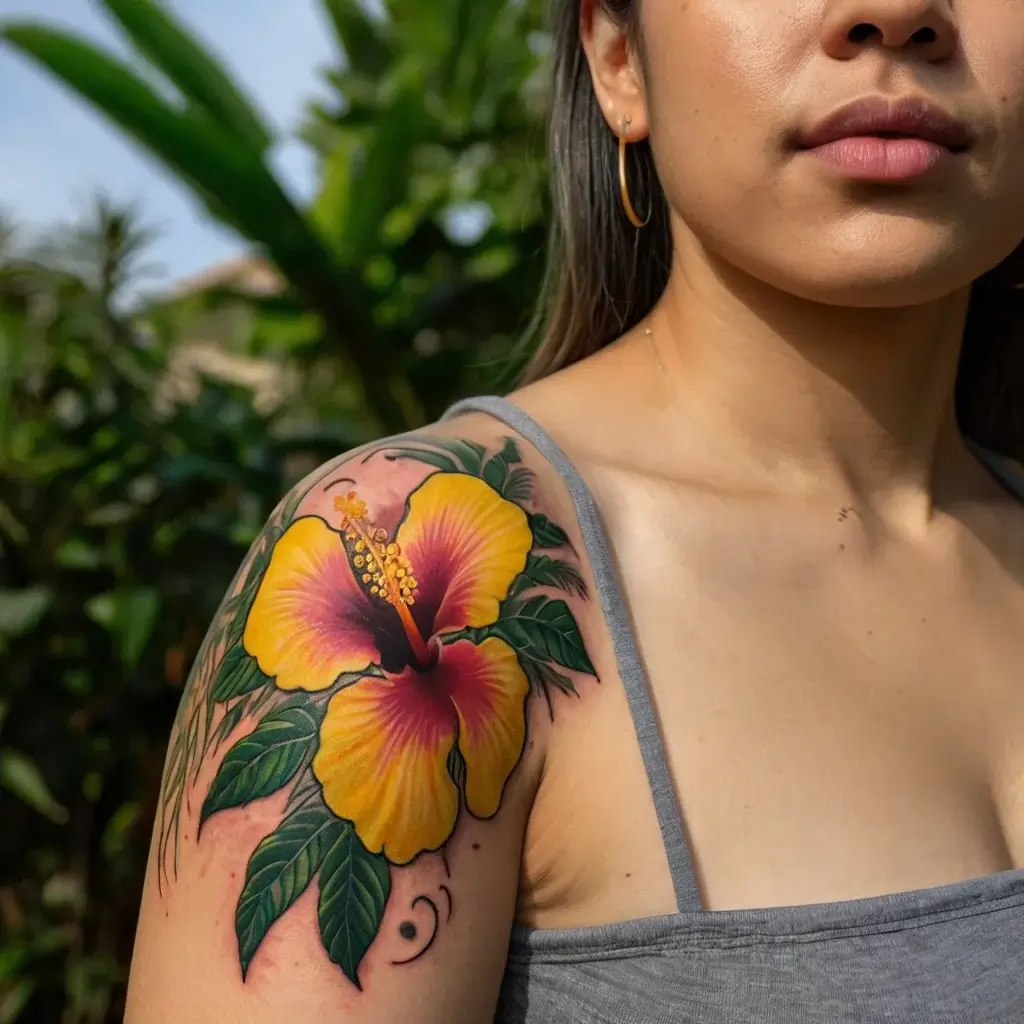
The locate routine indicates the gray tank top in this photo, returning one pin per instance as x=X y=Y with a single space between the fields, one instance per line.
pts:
x=947 y=955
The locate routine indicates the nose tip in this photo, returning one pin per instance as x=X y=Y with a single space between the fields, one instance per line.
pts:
x=923 y=28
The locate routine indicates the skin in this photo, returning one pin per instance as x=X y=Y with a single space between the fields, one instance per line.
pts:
x=825 y=586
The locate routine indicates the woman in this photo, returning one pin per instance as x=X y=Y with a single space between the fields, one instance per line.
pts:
x=730 y=560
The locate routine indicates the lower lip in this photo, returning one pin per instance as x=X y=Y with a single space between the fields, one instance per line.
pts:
x=873 y=158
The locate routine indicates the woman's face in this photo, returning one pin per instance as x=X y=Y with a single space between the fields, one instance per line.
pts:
x=738 y=100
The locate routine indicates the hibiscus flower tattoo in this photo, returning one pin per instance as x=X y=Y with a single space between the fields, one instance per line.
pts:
x=388 y=657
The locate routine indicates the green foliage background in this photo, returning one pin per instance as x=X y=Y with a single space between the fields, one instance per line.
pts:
x=127 y=498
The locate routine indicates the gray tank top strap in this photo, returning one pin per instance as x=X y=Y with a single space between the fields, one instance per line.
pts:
x=1009 y=473
x=616 y=613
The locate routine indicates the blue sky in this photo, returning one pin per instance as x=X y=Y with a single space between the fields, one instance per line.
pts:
x=55 y=153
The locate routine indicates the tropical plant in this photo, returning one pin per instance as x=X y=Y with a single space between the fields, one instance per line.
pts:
x=411 y=160
x=118 y=528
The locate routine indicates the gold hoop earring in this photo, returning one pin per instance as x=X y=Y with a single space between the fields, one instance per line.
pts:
x=627 y=203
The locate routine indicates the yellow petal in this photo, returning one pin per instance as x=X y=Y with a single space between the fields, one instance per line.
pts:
x=489 y=691
x=466 y=544
x=310 y=622
x=383 y=763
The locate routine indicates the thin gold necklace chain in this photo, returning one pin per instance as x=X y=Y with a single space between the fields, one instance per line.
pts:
x=661 y=366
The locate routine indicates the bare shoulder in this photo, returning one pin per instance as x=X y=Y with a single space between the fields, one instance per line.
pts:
x=353 y=763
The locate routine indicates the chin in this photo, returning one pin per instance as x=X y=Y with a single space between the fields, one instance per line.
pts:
x=872 y=275
x=887 y=286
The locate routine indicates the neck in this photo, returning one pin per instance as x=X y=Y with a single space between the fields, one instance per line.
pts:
x=842 y=403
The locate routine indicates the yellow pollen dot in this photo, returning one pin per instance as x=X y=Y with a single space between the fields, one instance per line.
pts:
x=374 y=591
x=370 y=563
x=359 y=561
x=360 y=546
x=409 y=601
x=350 y=506
x=380 y=536
x=350 y=536
x=393 y=549
x=367 y=577
x=399 y=572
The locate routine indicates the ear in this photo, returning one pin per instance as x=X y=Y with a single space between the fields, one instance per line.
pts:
x=614 y=69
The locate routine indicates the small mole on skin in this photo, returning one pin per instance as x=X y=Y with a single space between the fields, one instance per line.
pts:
x=842 y=547
x=407 y=930
x=629 y=874
x=476 y=846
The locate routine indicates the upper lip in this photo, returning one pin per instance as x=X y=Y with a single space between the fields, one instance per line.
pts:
x=911 y=117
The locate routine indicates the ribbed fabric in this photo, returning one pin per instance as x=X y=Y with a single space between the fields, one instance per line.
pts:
x=953 y=954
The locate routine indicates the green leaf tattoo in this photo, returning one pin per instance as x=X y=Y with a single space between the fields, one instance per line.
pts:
x=470 y=454
x=280 y=870
x=543 y=571
x=546 y=534
x=321 y=592
x=542 y=630
x=267 y=759
x=239 y=673
x=354 y=889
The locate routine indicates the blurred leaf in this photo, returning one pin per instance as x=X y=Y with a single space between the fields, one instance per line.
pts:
x=226 y=173
x=177 y=53
x=77 y=554
x=130 y=615
x=493 y=263
x=190 y=145
x=21 y=610
x=11 y=959
x=360 y=34
x=15 y=999
x=63 y=891
x=237 y=187
x=380 y=175
x=20 y=776
x=330 y=209
x=115 y=842
x=88 y=982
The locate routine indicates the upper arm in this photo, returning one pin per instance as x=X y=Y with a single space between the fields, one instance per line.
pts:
x=350 y=773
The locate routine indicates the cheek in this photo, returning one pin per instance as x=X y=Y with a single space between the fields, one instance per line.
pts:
x=992 y=37
x=722 y=70
x=994 y=58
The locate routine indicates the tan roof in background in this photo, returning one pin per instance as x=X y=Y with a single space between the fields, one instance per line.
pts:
x=249 y=273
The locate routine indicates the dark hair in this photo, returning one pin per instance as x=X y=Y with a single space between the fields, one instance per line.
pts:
x=604 y=275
